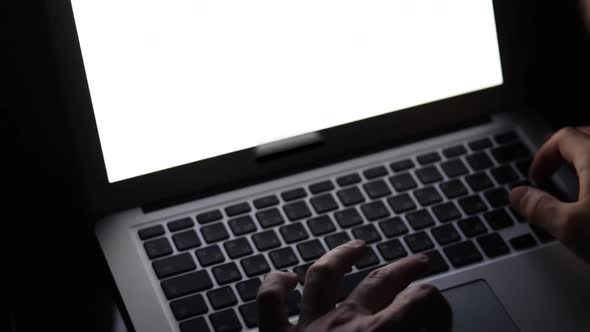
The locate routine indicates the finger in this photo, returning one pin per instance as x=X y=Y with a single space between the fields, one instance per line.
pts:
x=419 y=308
x=584 y=129
x=270 y=301
x=381 y=286
x=568 y=145
x=322 y=280
x=539 y=207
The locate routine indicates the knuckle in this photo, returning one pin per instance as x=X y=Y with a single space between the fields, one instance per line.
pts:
x=321 y=269
x=427 y=289
x=566 y=131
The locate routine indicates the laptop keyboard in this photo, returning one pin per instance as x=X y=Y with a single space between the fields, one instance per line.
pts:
x=450 y=204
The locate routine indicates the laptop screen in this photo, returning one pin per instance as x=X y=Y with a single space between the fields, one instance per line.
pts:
x=178 y=81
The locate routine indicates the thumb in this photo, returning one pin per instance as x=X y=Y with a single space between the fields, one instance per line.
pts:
x=538 y=207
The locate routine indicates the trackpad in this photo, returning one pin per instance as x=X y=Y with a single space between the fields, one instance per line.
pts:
x=476 y=308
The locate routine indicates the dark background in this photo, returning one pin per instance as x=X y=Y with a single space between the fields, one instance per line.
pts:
x=54 y=274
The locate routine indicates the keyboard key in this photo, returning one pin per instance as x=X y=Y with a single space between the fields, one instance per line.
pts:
x=269 y=218
x=209 y=255
x=428 y=158
x=293 y=194
x=150 y=232
x=454 y=188
x=301 y=270
x=463 y=254
x=523 y=167
x=428 y=175
x=297 y=210
x=505 y=137
x=283 y=257
x=157 y=248
x=479 y=181
x=392 y=250
x=248 y=289
x=445 y=234
x=436 y=264
x=479 y=161
x=321 y=187
x=454 y=151
x=236 y=209
x=393 y=227
x=242 y=225
x=446 y=212
x=266 y=240
x=311 y=250
x=334 y=240
x=209 y=216
x=510 y=152
x=255 y=265
x=401 y=203
x=351 y=280
x=321 y=225
x=186 y=240
x=195 y=324
x=349 y=179
x=350 y=196
x=472 y=204
x=375 y=172
x=541 y=233
x=294 y=232
x=418 y=242
x=238 y=248
x=504 y=174
x=480 y=144
x=427 y=196
x=266 y=201
x=293 y=302
x=453 y=168
x=222 y=297
x=249 y=312
x=403 y=182
x=472 y=226
x=420 y=219
x=368 y=259
x=180 y=224
x=367 y=233
x=375 y=210
x=348 y=218
x=324 y=203
x=189 y=306
x=497 y=197
x=214 y=232
x=225 y=321
x=186 y=284
x=524 y=241
x=376 y=189
x=173 y=265
x=402 y=165
x=498 y=219
x=226 y=273
x=493 y=245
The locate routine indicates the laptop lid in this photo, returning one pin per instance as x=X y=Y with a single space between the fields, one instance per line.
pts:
x=175 y=100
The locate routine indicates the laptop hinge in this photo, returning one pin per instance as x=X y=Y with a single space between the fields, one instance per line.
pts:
x=288 y=144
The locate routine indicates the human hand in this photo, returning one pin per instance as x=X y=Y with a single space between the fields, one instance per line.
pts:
x=379 y=303
x=568 y=222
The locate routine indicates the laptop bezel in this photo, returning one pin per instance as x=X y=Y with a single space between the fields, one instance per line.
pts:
x=242 y=168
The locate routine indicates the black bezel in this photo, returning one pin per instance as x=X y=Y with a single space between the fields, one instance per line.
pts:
x=242 y=168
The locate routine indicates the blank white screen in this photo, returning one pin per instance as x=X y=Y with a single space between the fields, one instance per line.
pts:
x=177 y=81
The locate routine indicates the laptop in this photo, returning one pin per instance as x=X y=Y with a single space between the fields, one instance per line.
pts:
x=222 y=140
